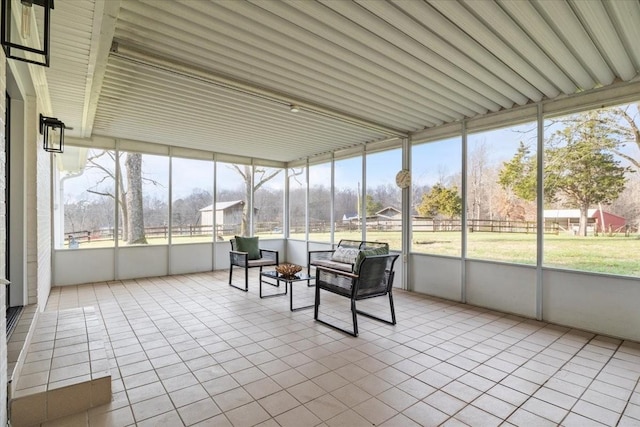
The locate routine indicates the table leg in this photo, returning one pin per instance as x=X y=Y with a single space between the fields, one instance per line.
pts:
x=291 y=300
x=272 y=284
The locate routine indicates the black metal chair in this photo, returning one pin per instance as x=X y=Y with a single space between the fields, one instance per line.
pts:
x=241 y=259
x=374 y=279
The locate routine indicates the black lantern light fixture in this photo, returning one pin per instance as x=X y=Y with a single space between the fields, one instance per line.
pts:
x=22 y=39
x=53 y=131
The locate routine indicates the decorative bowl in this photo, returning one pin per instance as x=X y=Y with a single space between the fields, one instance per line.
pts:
x=288 y=270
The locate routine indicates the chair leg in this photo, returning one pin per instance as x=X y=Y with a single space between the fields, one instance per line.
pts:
x=393 y=314
x=316 y=303
x=355 y=317
x=246 y=280
x=393 y=311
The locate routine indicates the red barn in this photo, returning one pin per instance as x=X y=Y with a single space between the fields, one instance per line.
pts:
x=600 y=221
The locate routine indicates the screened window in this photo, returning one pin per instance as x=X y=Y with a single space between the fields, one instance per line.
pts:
x=348 y=214
x=143 y=205
x=383 y=200
x=192 y=200
x=320 y=202
x=268 y=201
x=501 y=194
x=297 y=202
x=231 y=216
x=592 y=191
x=84 y=211
x=436 y=197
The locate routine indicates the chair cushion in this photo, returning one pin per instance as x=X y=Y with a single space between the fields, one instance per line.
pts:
x=368 y=252
x=261 y=262
x=346 y=255
x=249 y=245
x=333 y=264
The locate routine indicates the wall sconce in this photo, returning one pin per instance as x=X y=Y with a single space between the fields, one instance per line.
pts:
x=25 y=41
x=53 y=131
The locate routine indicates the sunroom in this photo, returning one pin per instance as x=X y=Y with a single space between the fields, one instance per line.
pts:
x=493 y=145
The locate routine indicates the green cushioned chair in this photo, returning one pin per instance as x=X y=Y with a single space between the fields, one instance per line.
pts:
x=246 y=254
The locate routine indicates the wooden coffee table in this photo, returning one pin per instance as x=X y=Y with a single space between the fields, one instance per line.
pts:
x=288 y=282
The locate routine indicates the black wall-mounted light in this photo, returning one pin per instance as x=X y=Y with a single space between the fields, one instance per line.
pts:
x=53 y=131
x=21 y=37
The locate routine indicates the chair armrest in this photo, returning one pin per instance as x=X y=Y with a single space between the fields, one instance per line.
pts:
x=239 y=258
x=269 y=254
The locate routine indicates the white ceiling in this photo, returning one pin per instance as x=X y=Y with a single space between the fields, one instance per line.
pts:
x=220 y=75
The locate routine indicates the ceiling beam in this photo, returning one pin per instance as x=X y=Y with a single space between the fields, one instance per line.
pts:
x=105 y=16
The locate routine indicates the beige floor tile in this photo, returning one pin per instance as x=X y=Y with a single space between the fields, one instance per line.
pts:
x=247 y=415
x=170 y=418
x=186 y=395
x=151 y=407
x=232 y=399
x=200 y=411
x=236 y=349
x=348 y=418
x=298 y=417
x=117 y=418
x=425 y=415
x=375 y=411
x=397 y=399
x=325 y=407
x=147 y=391
x=261 y=388
x=278 y=403
x=400 y=420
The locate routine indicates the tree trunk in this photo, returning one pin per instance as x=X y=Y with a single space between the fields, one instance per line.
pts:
x=134 y=199
x=124 y=219
x=582 y=229
x=244 y=226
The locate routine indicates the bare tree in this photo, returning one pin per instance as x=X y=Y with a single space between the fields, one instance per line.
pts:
x=260 y=177
x=478 y=164
x=132 y=222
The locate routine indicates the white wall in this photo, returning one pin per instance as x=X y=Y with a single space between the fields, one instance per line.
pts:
x=44 y=232
x=74 y=267
x=3 y=235
x=594 y=302
x=32 y=211
x=142 y=261
x=598 y=303
x=505 y=287
x=191 y=258
x=297 y=252
x=77 y=266
x=436 y=276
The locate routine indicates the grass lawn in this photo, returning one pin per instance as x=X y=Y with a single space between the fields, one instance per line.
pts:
x=603 y=254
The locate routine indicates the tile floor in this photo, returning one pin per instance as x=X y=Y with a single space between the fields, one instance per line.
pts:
x=65 y=370
x=190 y=350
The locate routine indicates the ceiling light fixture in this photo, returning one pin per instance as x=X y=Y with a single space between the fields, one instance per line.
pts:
x=22 y=42
x=294 y=108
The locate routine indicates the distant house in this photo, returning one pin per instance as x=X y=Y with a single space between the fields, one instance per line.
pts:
x=384 y=219
x=389 y=213
x=228 y=214
x=569 y=220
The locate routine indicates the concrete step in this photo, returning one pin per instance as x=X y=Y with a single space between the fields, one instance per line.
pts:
x=65 y=369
